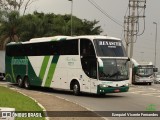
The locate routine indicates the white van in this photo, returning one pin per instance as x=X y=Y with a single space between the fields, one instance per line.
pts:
x=2 y=65
x=157 y=78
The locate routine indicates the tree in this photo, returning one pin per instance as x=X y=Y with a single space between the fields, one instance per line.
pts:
x=85 y=27
x=9 y=28
x=22 y=28
x=9 y=19
x=15 y=5
x=44 y=25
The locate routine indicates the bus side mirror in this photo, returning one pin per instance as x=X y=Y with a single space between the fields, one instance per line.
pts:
x=155 y=69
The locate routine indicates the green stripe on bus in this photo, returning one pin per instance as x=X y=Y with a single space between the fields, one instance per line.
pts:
x=62 y=39
x=13 y=75
x=51 y=71
x=44 y=67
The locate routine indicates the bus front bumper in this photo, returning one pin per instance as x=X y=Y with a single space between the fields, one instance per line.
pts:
x=104 y=90
x=145 y=80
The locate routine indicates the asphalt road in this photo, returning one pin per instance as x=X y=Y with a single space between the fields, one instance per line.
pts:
x=139 y=98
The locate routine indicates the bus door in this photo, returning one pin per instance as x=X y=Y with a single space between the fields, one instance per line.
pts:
x=93 y=74
x=89 y=65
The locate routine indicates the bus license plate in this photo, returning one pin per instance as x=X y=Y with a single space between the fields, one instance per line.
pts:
x=117 y=90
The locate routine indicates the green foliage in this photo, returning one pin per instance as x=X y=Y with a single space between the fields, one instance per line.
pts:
x=18 y=101
x=44 y=25
x=9 y=24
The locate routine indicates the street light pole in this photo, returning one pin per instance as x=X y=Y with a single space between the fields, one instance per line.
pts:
x=142 y=56
x=155 y=43
x=71 y=16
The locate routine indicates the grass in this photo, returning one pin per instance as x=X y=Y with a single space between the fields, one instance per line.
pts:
x=13 y=99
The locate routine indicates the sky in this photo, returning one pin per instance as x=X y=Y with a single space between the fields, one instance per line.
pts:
x=144 y=48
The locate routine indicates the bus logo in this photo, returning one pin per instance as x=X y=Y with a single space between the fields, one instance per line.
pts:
x=19 y=62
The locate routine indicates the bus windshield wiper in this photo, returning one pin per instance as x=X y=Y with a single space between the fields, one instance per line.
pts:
x=114 y=74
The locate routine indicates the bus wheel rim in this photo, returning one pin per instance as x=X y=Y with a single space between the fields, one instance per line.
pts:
x=75 y=88
x=26 y=84
x=19 y=81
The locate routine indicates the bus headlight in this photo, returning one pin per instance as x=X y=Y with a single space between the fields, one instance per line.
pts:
x=103 y=85
x=126 y=84
x=137 y=77
x=151 y=76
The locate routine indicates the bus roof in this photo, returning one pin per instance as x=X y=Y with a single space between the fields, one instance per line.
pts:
x=97 y=37
x=57 y=38
x=142 y=63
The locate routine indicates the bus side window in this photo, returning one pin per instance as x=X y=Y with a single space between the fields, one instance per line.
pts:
x=88 y=58
x=86 y=48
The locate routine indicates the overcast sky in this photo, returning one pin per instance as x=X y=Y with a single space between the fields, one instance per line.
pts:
x=144 y=48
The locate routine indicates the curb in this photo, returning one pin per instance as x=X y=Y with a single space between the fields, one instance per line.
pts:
x=47 y=118
x=82 y=106
x=74 y=103
x=44 y=110
x=41 y=106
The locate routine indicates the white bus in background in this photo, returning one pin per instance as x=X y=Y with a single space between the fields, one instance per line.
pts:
x=92 y=64
x=142 y=72
x=2 y=64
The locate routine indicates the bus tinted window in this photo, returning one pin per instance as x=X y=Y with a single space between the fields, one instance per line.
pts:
x=69 y=47
x=86 y=48
x=88 y=58
x=65 y=47
x=14 y=50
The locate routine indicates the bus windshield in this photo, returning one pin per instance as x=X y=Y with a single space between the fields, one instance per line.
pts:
x=145 y=71
x=109 y=48
x=114 y=70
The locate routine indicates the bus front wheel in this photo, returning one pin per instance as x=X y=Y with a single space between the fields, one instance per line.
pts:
x=150 y=83
x=76 y=89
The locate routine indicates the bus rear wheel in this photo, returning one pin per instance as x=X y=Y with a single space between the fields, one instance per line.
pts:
x=20 y=82
x=26 y=83
x=76 y=89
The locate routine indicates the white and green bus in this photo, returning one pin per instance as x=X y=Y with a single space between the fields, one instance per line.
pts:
x=142 y=72
x=92 y=64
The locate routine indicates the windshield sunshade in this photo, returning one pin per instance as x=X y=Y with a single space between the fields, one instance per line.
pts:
x=111 y=48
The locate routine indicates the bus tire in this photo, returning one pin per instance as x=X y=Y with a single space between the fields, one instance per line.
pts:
x=102 y=95
x=20 y=82
x=150 y=83
x=26 y=83
x=76 y=89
